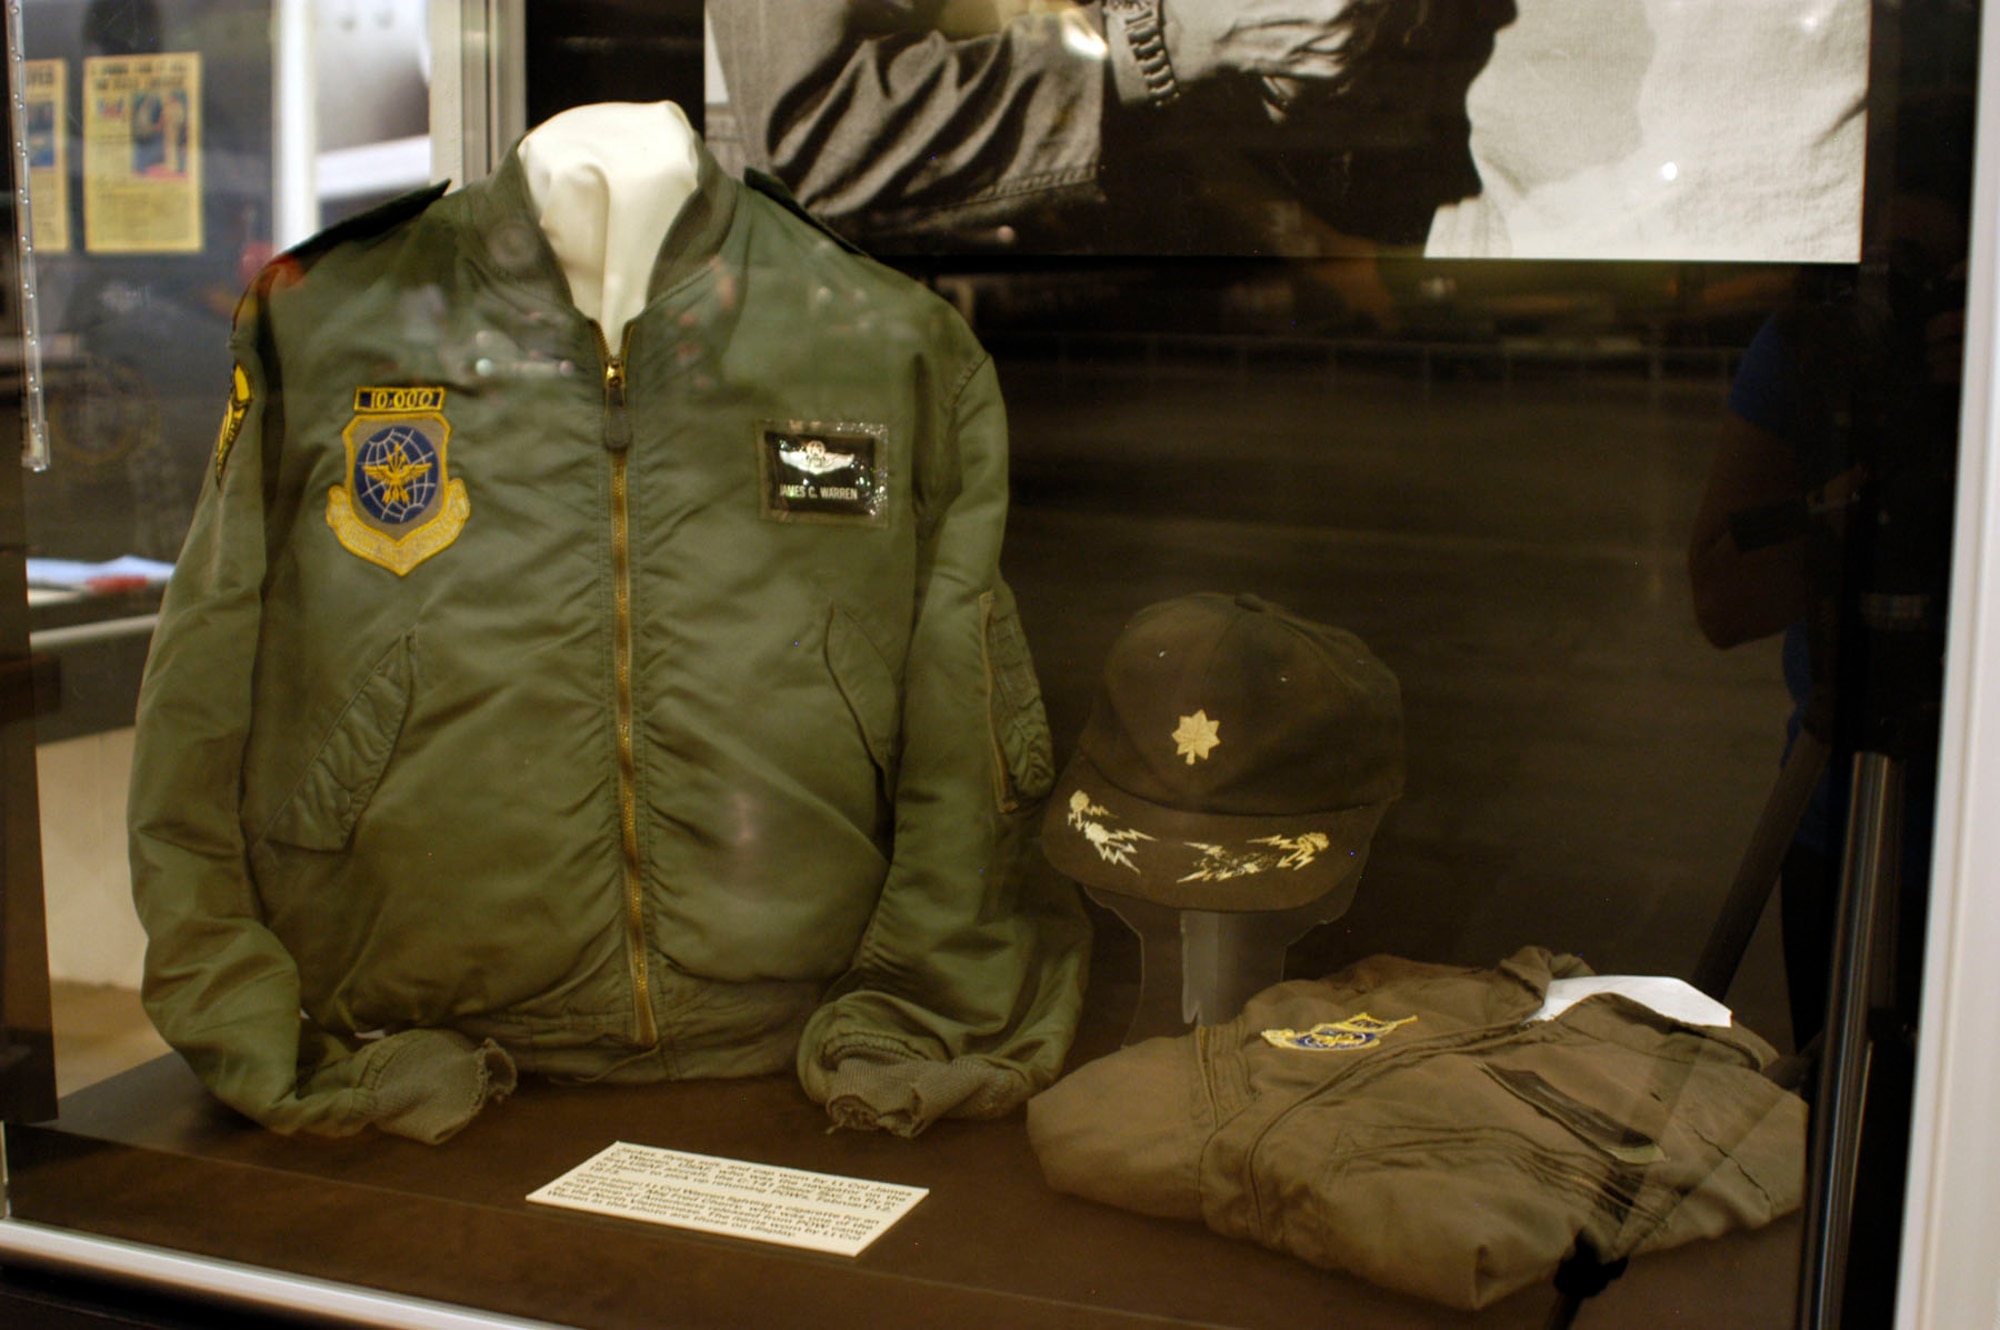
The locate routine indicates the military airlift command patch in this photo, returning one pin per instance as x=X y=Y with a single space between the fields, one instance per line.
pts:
x=1356 y=1032
x=400 y=504
x=816 y=472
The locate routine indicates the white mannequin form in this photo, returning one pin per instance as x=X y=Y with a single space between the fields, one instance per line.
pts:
x=608 y=180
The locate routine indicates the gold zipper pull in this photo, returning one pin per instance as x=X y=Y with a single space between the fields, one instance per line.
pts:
x=617 y=426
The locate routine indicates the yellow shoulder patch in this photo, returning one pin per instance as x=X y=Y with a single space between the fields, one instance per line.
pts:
x=232 y=420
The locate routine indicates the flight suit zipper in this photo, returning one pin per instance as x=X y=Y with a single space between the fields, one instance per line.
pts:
x=617 y=445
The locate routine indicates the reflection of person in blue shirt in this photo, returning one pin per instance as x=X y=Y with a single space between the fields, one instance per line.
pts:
x=1781 y=454
x=1835 y=407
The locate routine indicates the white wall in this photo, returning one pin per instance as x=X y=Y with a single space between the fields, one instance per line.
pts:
x=94 y=934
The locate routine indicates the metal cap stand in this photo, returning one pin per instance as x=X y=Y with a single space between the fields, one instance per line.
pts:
x=1198 y=967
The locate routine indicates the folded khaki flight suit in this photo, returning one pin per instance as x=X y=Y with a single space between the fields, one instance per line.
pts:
x=1405 y=1123
x=617 y=713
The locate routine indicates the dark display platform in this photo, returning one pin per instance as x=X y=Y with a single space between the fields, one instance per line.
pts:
x=148 y=1157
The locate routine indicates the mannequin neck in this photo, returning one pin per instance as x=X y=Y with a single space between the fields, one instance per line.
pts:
x=607 y=181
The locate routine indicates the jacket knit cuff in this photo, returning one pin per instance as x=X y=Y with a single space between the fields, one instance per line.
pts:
x=873 y=1091
x=427 y=1084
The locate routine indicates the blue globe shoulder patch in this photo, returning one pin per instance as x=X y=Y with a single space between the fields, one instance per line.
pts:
x=399 y=504
x=395 y=477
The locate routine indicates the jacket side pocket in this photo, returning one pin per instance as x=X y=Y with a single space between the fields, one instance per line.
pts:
x=1024 y=766
x=865 y=680
x=322 y=808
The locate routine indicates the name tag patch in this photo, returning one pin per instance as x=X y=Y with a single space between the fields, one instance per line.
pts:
x=812 y=471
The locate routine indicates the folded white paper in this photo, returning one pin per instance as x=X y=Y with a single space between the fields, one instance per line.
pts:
x=1675 y=999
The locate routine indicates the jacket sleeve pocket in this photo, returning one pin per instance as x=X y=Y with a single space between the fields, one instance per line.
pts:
x=1024 y=768
x=865 y=680
x=322 y=808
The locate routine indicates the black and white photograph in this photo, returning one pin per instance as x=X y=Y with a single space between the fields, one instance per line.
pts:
x=1682 y=130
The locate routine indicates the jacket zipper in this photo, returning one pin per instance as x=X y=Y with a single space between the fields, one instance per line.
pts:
x=617 y=444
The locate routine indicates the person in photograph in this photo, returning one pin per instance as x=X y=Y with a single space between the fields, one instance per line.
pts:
x=149 y=134
x=42 y=131
x=1177 y=126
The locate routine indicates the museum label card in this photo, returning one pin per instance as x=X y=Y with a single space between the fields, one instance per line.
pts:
x=818 y=1211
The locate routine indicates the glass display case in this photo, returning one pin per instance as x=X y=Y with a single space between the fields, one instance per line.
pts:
x=1018 y=663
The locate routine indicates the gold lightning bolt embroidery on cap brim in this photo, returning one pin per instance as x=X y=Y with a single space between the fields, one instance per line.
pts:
x=1113 y=845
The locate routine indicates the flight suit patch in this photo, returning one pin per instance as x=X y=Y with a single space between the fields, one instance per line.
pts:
x=811 y=471
x=1356 y=1032
x=400 y=503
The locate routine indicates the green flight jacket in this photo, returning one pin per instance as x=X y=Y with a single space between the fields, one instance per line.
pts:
x=621 y=714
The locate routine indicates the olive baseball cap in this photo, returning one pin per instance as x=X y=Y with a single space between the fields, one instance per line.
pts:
x=1237 y=757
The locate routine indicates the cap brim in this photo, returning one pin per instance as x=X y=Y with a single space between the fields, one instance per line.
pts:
x=1103 y=837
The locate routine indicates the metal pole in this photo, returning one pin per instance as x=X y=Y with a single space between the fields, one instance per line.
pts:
x=1868 y=867
x=295 y=129
x=1758 y=872
x=34 y=414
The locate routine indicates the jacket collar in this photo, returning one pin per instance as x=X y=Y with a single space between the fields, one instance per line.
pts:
x=507 y=236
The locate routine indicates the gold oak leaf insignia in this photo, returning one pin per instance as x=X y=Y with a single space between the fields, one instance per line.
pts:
x=1196 y=736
